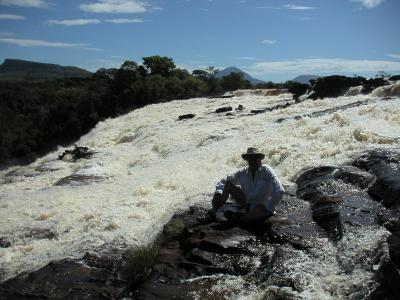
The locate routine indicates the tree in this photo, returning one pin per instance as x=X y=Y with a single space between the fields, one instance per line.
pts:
x=159 y=65
x=201 y=74
x=175 y=88
x=103 y=73
x=234 y=81
x=129 y=65
x=194 y=87
x=127 y=74
x=212 y=71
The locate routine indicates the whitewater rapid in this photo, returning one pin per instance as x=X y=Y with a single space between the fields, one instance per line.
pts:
x=152 y=165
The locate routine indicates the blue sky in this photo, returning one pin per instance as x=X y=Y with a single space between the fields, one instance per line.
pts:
x=271 y=39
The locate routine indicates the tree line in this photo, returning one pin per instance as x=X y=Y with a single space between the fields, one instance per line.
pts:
x=36 y=116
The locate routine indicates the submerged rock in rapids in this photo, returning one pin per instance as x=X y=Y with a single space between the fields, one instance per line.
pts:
x=4 y=243
x=185 y=117
x=224 y=109
x=77 y=153
x=86 y=175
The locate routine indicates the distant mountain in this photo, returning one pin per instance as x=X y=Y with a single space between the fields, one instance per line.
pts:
x=15 y=69
x=246 y=76
x=305 y=79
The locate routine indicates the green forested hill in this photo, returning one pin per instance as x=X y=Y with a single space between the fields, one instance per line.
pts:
x=15 y=69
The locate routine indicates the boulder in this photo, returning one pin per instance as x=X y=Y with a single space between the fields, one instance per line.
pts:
x=334 y=86
x=92 y=277
x=298 y=89
x=387 y=271
x=337 y=196
x=385 y=165
x=394 y=78
x=240 y=107
x=373 y=83
x=4 y=243
x=77 y=153
x=223 y=109
x=187 y=116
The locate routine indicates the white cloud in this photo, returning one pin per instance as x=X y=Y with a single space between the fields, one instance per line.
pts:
x=369 y=3
x=76 y=22
x=298 y=7
x=394 y=55
x=123 y=21
x=5 y=34
x=115 y=6
x=41 y=43
x=246 y=58
x=25 y=3
x=11 y=17
x=268 y=42
x=320 y=66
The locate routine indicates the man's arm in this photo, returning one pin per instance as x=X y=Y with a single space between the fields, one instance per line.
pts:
x=233 y=178
x=276 y=189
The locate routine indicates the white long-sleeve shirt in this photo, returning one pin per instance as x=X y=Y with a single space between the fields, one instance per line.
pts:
x=265 y=188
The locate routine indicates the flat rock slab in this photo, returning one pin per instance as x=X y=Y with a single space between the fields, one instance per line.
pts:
x=89 y=278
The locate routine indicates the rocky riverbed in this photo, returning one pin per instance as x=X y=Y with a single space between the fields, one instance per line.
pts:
x=335 y=235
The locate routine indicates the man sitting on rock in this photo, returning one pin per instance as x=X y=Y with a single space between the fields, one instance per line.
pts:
x=255 y=188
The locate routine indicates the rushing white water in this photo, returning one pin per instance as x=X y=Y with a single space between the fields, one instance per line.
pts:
x=152 y=165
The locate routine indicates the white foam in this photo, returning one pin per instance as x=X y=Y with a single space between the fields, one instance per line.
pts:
x=153 y=165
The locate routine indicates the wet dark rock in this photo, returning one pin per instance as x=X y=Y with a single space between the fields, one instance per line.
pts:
x=276 y=107
x=393 y=240
x=258 y=111
x=185 y=117
x=388 y=272
x=372 y=84
x=394 y=78
x=385 y=165
x=224 y=109
x=4 y=243
x=42 y=233
x=223 y=96
x=326 y=111
x=92 y=277
x=78 y=179
x=298 y=89
x=337 y=197
x=354 y=176
x=240 y=107
x=77 y=153
x=394 y=248
x=334 y=86
x=207 y=247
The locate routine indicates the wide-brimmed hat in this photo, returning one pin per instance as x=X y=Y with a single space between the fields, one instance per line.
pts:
x=252 y=152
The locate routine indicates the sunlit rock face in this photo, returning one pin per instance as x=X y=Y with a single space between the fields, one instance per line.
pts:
x=148 y=164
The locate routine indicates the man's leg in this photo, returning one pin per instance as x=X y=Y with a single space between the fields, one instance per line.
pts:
x=229 y=189
x=256 y=214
